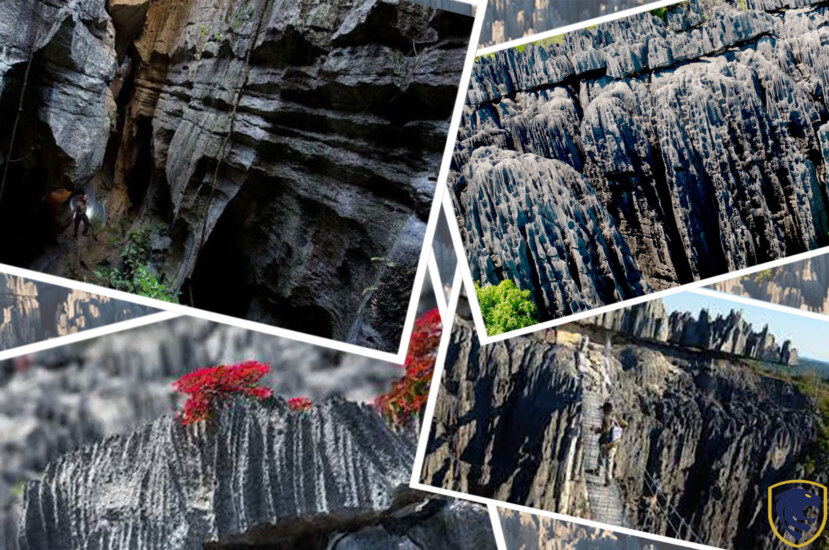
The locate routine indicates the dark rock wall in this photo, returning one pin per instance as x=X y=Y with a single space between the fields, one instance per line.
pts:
x=714 y=436
x=643 y=154
x=254 y=474
x=290 y=150
x=730 y=334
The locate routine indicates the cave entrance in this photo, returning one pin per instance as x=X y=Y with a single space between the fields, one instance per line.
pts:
x=231 y=277
x=25 y=225
x=138 y=179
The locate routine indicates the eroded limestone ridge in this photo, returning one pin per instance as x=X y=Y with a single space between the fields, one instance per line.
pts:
x=32 y=311
x=803 y=284
x=646 y=153
x=705 y=437
x=255 y=473
x=727 y=334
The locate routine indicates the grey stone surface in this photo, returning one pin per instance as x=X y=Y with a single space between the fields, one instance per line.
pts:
x=714 y=436
x=255 y=473
x=69 y=397
x=698 y=141
x=730 y=334
x=32 y=311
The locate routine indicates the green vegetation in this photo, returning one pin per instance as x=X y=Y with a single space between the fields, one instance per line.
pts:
x=504 y=307
x=662 y=13
x=762 y=277
x=136 y=276
x=742 y=4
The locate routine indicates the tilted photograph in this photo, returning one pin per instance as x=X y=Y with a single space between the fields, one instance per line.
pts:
x=692 y=417
x=188 y=434
x=656 y=150
x=33 y=311
x=801 y=285
x=510 y=19
x=524 y=531
x=272 y=161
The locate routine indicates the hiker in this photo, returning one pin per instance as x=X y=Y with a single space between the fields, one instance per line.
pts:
x=609 y=439
x=81 y=203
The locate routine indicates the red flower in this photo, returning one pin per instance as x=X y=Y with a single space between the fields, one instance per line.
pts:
x=209 y=386
x=408 y=395
x=297 y=404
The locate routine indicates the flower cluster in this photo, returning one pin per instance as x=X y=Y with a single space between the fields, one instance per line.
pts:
x=209 y=386
x=408 y=395
x=299 y=404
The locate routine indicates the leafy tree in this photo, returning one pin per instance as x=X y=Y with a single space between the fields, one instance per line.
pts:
x=505 y=307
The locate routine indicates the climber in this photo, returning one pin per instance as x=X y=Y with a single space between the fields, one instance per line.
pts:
x=609 y=439
x=81 y=203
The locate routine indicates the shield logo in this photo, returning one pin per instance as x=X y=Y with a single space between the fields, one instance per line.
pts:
x=797 y=511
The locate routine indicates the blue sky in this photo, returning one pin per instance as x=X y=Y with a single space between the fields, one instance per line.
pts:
x=810 y=337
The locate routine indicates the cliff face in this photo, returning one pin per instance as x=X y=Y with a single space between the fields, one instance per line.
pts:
x=730 y=334
x=33 y=311
x=289 y=150
x=643 y=154
x=803 y=284
x=255 y=474
x=514 y=422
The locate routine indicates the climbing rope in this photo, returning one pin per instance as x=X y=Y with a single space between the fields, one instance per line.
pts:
x=8 y=162
x=222 y=150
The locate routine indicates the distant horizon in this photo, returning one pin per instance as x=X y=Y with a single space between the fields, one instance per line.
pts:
x=807 y=335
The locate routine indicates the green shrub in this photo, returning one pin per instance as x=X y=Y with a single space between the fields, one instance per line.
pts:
x=136 y=276
x=504 y=307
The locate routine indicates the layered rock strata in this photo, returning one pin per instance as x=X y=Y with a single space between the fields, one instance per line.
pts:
x=255 y=474
x=710 y=435
x=289 y=151
x=730 y=334
x=646 y=153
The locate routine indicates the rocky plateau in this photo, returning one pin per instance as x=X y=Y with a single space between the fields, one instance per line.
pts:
x=644 y=153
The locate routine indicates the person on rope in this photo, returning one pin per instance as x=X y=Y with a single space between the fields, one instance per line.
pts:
x=81 y=204
x=609 y=439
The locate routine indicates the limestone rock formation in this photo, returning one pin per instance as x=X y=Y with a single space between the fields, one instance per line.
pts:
x=803 y=285
x=511 y=19
x=730 y=334
x=33 y=311
x=524 y=531
x=697 y=142
x=709 y=435
x=69 y=397
x=289 y=151
x=253 y=474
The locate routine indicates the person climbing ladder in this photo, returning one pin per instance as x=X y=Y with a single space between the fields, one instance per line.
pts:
x=609 y=439
x=81 y=204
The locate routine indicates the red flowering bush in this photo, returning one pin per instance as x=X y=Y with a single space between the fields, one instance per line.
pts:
x=408 y=395
x=212 y=385
x=298 y=404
